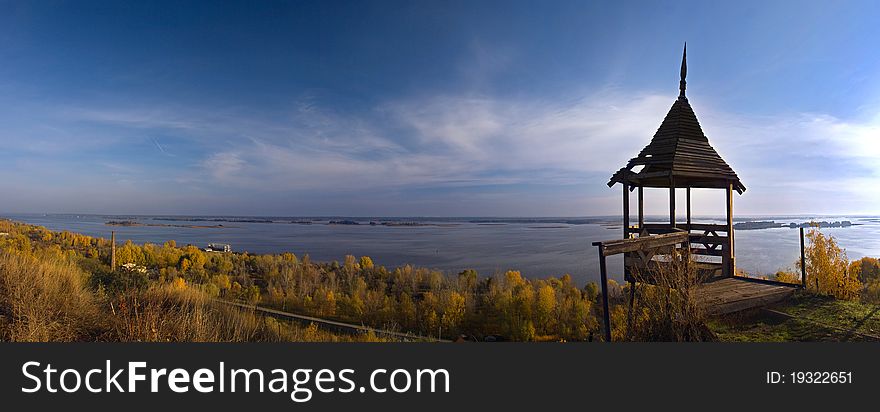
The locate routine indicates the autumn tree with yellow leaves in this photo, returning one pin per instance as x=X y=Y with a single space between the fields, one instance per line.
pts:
x=829 y=272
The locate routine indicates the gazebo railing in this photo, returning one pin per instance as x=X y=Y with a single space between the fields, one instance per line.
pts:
x=646 y=253
x=660 y=228
x=708 y=242
x=639 y=252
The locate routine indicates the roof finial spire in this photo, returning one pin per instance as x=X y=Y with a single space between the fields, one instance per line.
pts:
x=684 y=72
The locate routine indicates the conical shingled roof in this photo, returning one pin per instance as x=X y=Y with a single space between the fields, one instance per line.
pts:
x=679 y=154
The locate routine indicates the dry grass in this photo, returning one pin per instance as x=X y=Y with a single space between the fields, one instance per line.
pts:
x=47 y=299
x=166 y=313
x=666 y=306
x=44 y=300
x=163 y=313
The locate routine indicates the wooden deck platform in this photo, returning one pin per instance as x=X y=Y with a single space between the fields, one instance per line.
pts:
x=730 y=295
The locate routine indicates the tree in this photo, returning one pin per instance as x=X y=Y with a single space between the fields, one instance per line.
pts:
x=366 y=263
x=252 y=295
x=787 y=277
x=453 y=312
x=325 y=300
x=870 y=268
x=222 y=282
x=192 y=263
x=591 y=291
x=130 y=253
x=406 y=311
x=829 y=272
x=467 y=280
x=545 y=305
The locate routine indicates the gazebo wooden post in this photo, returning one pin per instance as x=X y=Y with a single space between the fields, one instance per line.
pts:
x=641 y=210
x=672 y=203
x=625 y=210
x=632 y=282
x=688 y=208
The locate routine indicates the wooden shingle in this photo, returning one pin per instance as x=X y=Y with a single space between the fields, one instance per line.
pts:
x=679 y=155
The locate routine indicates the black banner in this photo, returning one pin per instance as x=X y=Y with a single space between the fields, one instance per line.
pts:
x=505 y=376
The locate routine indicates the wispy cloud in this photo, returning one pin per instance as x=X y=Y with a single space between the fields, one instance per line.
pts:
x=800 y=162
x=146 y=118
x=441 y=146
x=439 y=142
x=224 y=166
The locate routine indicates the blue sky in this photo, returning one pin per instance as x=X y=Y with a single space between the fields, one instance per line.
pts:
x=420 y=109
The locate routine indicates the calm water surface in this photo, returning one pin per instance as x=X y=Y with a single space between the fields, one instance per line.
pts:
x=536 y=249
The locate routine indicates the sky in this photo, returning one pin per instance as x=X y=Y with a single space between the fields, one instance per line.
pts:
x=386 y=108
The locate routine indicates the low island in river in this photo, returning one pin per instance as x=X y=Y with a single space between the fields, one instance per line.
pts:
x=134 y=223
x=755 y=225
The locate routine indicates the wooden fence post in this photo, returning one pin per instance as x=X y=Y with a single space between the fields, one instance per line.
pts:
x=804 y=264
x=604 y=279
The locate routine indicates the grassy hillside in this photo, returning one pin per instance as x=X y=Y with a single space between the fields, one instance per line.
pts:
x=805 y=318
x=48 y=299
x=407 y=299
x=58 y=286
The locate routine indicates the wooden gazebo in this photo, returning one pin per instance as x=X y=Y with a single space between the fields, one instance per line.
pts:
x=680 y=156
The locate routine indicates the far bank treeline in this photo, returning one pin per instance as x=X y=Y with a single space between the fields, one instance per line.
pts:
x=406 y=299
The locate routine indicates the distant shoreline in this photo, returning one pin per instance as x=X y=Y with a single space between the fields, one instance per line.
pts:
x=130 y=223
x=557 y=223
x=391 y=222
x=758 y=225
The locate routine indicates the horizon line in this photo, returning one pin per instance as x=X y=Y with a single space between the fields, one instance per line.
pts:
x=854 y=215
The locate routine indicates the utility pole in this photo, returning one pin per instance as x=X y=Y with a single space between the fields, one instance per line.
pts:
x=113 y=250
